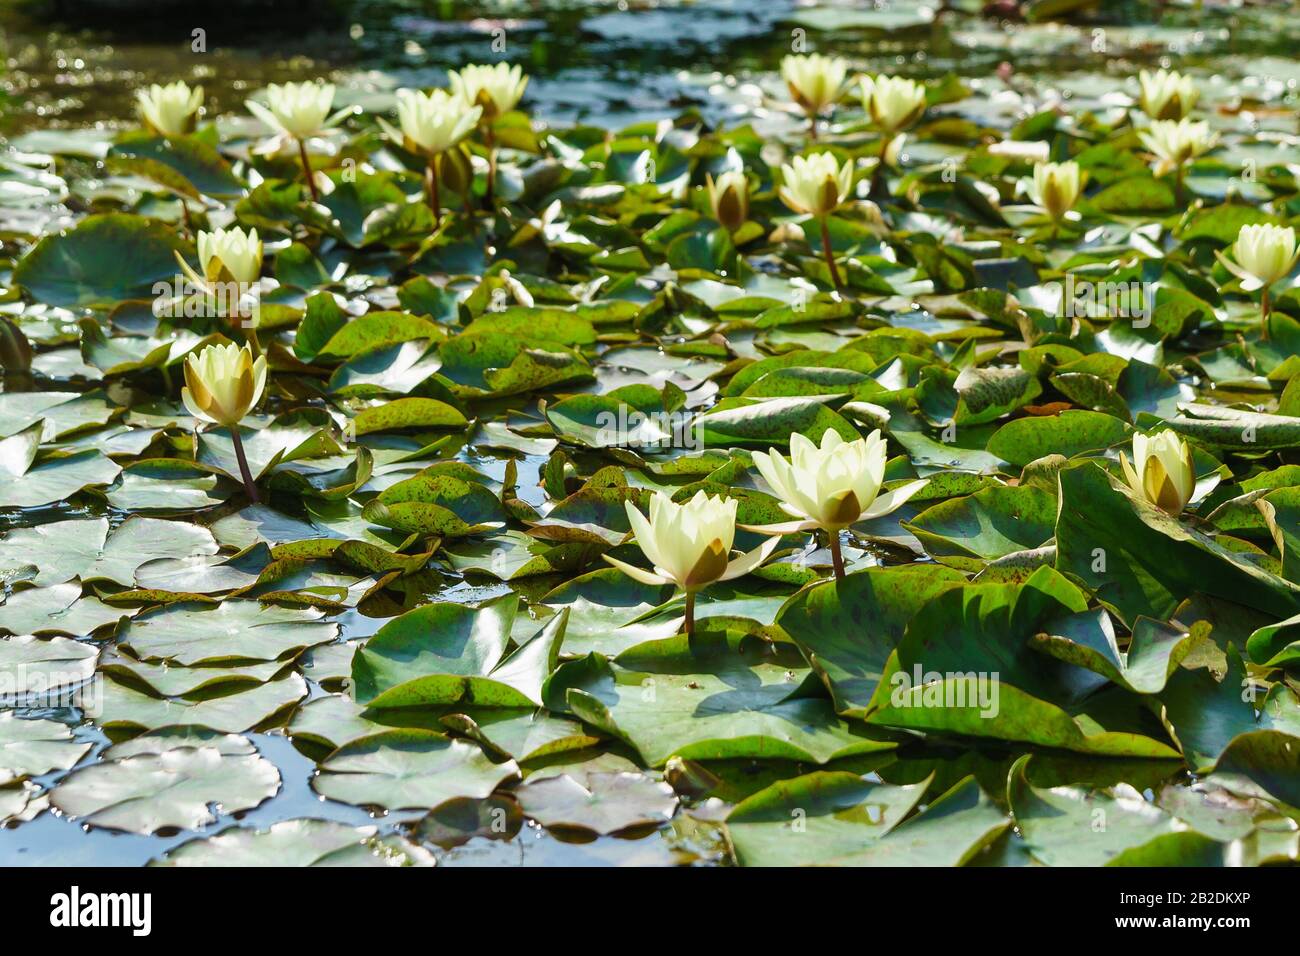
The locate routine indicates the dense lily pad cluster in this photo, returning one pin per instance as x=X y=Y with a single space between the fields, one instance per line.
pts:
x=905 y=483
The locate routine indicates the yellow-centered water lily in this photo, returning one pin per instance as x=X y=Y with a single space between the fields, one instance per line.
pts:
x=1056 y=187
x=170 y=110
x=434 y=122
x=223 y=383
x=689 y=544
x=496 y=89
x=1261 y=255
x=729 y=198
x=1166 y=94
x=830 y=486
x=226 y=255
x=816 y=184
x=894 y=103
x=1175 y=143
x=298 y=110
x=1164 y=473
x=815 y=81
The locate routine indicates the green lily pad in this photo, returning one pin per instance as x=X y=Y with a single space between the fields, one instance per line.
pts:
x=298 y=843
x=104 y=260
x=606 y=803
x=232 y=631
x=409 y=769
x=666 y=699
x=847 y=629
x=155 y=782
x=30 y=748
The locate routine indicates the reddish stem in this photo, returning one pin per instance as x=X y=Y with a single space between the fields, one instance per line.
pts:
x=837 y=558
x=250 y=489
x=830 y=258
x=306 y=171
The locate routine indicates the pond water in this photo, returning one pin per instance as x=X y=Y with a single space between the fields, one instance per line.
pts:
x=612 y=63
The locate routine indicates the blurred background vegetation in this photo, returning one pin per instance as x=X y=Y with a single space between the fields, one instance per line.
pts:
x=76 y=62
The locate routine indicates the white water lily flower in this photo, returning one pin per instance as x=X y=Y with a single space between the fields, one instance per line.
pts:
x=170 y=110
x=729 y=198
x=433 y=122
x=1164 y=474
x=298 y=110
x=815 y=81
x=496 y=89
x=1167 y=94
x=1056 y=187
x=1263 y=254
x=816 y=184
x=226 y=255
x=689 y=544
x=1175 y=142
x=223 y=383
x=831 y=486
x=893 y=102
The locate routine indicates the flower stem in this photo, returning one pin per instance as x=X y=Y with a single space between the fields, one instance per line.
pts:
x=690 y=613
x=306 y=171
x=250 y=489
x=812 y=126
x=490 y=189
x=431 y=184
x=837 y=558
x=1178 y=184
x=1265 y=310
x=830 y=258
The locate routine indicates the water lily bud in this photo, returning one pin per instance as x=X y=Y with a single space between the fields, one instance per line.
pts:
x=729 y=199
x=170 y=110
x=456 y=170
x=1167 y=94
x=787 y=232
x=226 y=255
x=893 y=102
x=814 y=81
x=830 y=486
x=689 y=544
x=815 y=184
x=1175 y=142
x=1263 y=255
x=1164 y=473
x=518 y=291
x=297 y=109
x=497 y=89
x=223 y=383
x=434 y=122
x=1056 y=188
x=15 y=350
